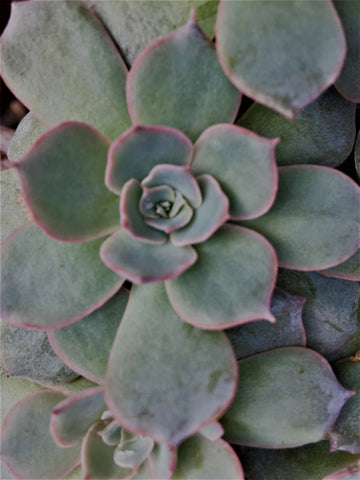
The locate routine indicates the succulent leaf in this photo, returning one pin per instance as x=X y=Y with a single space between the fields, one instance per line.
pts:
x=260 y=336
x=286 y=397
x=85 y=345
x=132 y=454
x=28 y=254
x=28 y=354
x=160 y=464
x=330 y=313
x=202 y=459
x=348 y=81
x=207 y=218
x=345 y=434
x=142 y=262
x=140 y=149
x=165 y=397
x=357 y=154
x=235 y=156
x=323 y=133
x=212 y=431
x=348 y=270
x=314 y=222
x=72 y=65
x=231 y=282
x=72 y=417
x=348 y=349
x=282 y=55
x=28 y=130
x=350 y=473
x=166 y=85
x=78 y=210
x=26 y=440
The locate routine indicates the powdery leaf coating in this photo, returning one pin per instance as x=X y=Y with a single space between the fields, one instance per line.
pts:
x=199 y=458
x=348 y=81
x=20 y=451
x=71 y=418
x=212 y=431
x=28 y=354
x=349 y=270
x=286 y=397
x=314 y=222
x=160 y=464
x=134 y=25
x=311 y=462
x=28 y=130
x=139 y=149
x=72 y=65
x=85 y=345
x=142 y=262
x=281 y=54
x=176 y=81
x=345 y=434
x=62 y=179
x=231 y=283
x=165 y=397
x=260 y=336
x=27 y=254
x=235 y=156
x=330 y=313
x=323 y=133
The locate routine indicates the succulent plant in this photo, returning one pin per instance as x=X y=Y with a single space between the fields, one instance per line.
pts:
x=145 y=178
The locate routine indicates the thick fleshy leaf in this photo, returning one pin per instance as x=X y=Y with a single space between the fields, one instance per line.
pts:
x=136 y=152
x=72 y=70
x=165 y=397
x=28 y=354
x=348 y=349
x=348 y=270
x=357 y=154
x=201 y=459
x=72 y=417
x=348 y=81
x=345 y=434
x=62 y=179
x=314 y=222
x=176 y=81
x=142 y=262
x=28 y=130
x=286 y=397
x=13 y=209
x=160 y=465
x=131 y=218
x=330 y=313
x=323 y=133
x=311 y=462
x=134 y=25
x=29 y=254
x=171 y=224
x=97 y=458
x=283 y=54
x=350 y=473
x=235 y=156
x=212 y=431
x=261 y=336
x=27 y=447
x=231 y=282
x=133 y=453
x=207 y=218
x=85 y=345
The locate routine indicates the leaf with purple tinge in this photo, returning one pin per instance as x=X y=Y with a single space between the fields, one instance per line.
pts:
x=85 y=345
x=350 y=473
x=323 y=133
x=165 y=397
x=281 y=54
x=199 y=458
x=348 y=349
x=345 y=434
x=72 y=417
x=166 y=86
x=330 y=313
x=286 y=397
x=26 y=435
x=28 y=130
x=357 y=154
x=54 y=299
x=348 y=81
x=235 y=156
x=78 y=210
x=349 y=270
x=140 y=149
x=72 y=65
x=260 y=336
x=314 y=222
x=142 y=262
x=231 y=283
x=311 y=462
